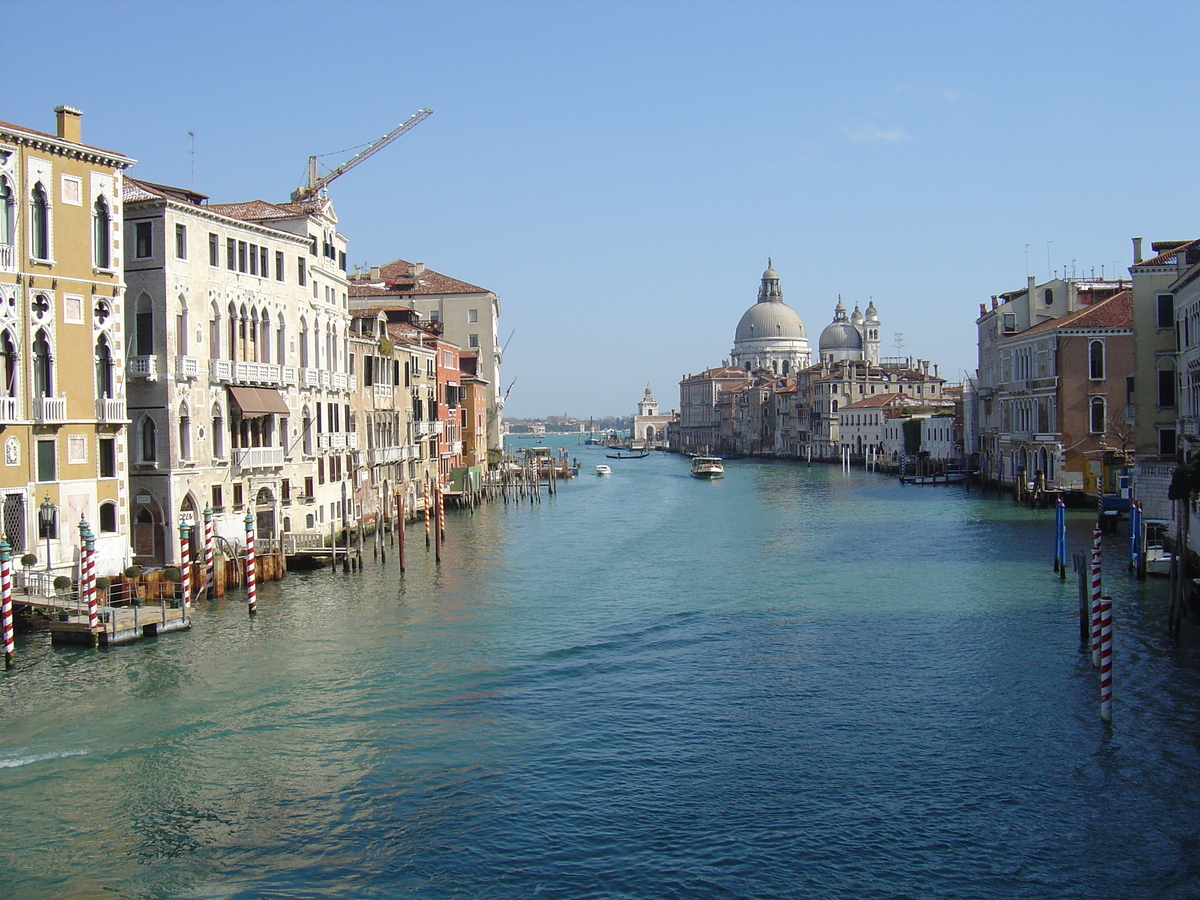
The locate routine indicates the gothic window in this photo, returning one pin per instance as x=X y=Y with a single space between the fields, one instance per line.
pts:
x=218 y=432
x=43 y=366
x=8 y=356
x=104 y=368
x=149 y=440
x=7 y=217
x=185 y=433
x=101 y=239
x=108 y=518
x=214 y=333
x=39 y=223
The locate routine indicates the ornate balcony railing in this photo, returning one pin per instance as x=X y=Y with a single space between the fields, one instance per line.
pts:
x=186 y=368
x=143 y=367
x=8 y=409
x=110 y=411
x=258 y=457
x=49 y=409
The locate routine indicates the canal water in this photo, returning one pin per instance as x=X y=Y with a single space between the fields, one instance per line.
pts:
x=793 y=682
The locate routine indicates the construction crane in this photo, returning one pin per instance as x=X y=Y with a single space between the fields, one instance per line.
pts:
x=316 y=183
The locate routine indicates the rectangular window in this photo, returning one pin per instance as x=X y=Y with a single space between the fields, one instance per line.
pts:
x=231 y=254
x=218 y=500
x=286 y=487
x=279 y=265
x=214 y=250
x=253 y=259
x=1166 y=388
x=180 y=241
x=301 y=272
x=1010 y=323
x=342 y=260
x=309 y=489
x=237 y=495
x=1166 y=310
x=108 y=457
x=241 y=267
x=46 y=469
x=1166 y=442
x=143 y=240
x=473 y=341
x=472 y=316
x=263 y=257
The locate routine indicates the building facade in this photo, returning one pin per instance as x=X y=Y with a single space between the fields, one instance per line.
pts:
x=62 y=296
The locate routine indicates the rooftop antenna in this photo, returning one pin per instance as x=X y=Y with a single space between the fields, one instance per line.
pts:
x=899 y=335
x=1048 y=243
x=192 y=135
x=1026 y=260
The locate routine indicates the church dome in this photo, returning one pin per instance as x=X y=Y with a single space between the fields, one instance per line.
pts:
x=840 y=335
x=770 y=320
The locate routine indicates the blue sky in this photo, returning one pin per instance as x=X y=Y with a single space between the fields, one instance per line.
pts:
x=619 y=172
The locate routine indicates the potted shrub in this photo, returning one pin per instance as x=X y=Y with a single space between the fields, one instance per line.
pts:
x=174 y=576
x=62 y=584
x=133 y=573
x=28 y=561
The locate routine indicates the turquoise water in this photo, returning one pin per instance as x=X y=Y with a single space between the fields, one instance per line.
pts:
x=790 y=682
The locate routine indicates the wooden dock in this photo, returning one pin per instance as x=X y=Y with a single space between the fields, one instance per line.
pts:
x=118 y=624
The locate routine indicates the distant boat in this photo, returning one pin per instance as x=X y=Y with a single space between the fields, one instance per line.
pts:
x=1158 y=557
x=707 y=467
x=641 y=455
x=943 y=478
x=603 y=470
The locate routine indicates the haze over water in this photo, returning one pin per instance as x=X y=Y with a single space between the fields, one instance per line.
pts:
x=791 y=682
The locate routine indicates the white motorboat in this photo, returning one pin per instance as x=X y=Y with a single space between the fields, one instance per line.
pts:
x=603 y=470
x=707 y=467
x=1158 y=557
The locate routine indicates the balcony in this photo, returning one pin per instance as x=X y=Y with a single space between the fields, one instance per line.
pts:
x=352 y=440
x=186 y=368
x=50 y=410
x=383 y=393
x=310 y=378
x=8 y=256
x=427 y=429
x=145 y=367
x=256 y=373
x=8 y=410
x=109 y=411
x=340 y=381
x=382 y=456
x=288 y=375
x=258 y=457
x=220 y=370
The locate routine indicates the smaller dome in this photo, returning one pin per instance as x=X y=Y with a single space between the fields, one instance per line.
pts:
x=840 y=336
x=872 y=314
x=856 y=317
x=771 y=274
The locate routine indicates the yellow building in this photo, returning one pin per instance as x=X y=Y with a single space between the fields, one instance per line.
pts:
x=62 y=406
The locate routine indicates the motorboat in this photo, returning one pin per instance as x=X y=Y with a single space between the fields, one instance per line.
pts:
x=1158 y=557
x=603 y=470
x=707 y=467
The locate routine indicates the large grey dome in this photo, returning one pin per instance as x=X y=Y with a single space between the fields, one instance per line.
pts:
x=771 y=319
x=770 y=334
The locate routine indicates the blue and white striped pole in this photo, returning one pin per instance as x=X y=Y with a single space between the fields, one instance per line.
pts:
x=1060 y=537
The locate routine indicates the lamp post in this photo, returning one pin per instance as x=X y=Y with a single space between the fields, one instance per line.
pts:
x=47 y=512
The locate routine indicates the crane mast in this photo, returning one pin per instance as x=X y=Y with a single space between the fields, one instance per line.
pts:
x=315 y=183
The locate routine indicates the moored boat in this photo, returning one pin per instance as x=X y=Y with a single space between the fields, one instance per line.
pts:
x=707 y=467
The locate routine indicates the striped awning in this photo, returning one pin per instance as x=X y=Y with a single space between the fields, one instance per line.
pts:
x=259 y=402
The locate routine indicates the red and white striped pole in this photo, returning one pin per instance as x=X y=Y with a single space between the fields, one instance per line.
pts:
x=1096 y=597
x=400 y=528
x=251 y=589
x=208 y=553
x=1106 y=659
x=441 y=510
x=185 y=565
x=427 y=502
x=437 y=524
x=6 y=613
x=89 y=582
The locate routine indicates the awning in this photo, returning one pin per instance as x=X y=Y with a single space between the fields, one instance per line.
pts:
x=259 y=402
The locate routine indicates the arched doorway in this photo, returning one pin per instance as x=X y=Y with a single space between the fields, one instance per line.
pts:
x=149 y=539
x=190 y=513
x=264 y=515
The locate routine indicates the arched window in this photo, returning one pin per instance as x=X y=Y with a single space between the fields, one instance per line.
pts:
x=218 y=432
x=232 y=352
x=1096 y=360
x=108 y=518
x=308 y=438
x=304 y=346
x=149 y=441
x=1049 y=296
x=185 y=432
x=214 y=333
x=8 y=354
x=104 y=368
x=1098 y=415
x=39 y=223
x=43 y=366
x=7 y=214
x=143 y=326
x=101 y=238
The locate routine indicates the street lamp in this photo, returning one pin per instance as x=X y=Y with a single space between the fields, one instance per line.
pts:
x=47 y=512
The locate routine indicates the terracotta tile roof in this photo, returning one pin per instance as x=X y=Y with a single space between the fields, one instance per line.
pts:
x=1166 y=251
x=877 y=401
x=252 y=210
x=1112 y=312
x=136 y=189
x=395 y=281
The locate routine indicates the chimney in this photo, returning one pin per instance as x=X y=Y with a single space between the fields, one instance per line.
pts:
x=418 y=269
x=1030 y=282
x=995 y=301
x=375 y=273
x=1137 y=250
x=982 y=310
x=1180 y=260
x=68 y=118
